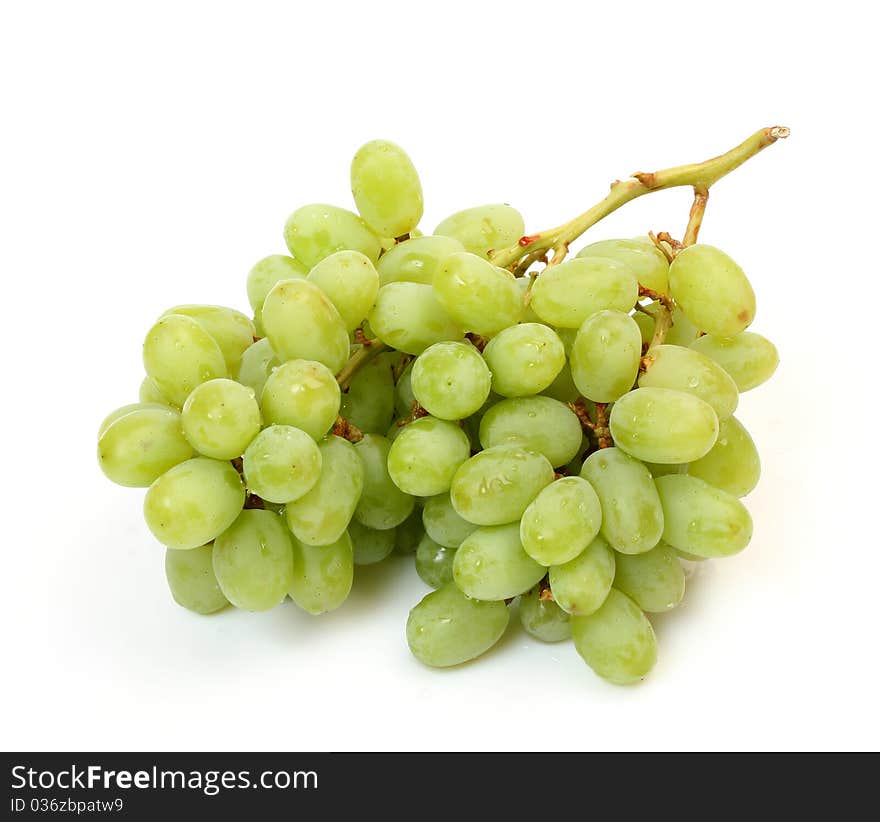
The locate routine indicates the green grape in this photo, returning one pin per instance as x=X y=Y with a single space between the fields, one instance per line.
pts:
x=733 y=464
x=683 y=331
x=749 y=358
x=447 y=628
x=632 y=517
x=322 y=574
x=382 y=504
x=403 y=393
x=671 y=366
x=663 y=425
x=617 y=641
x=302 y=323
x=568 y=293
x=568 y=336
x=712 y=290
x=321 y=515
x=192 y=581
x=349 y=279
x=281 y=464
x=179 y=355
x=640 y=255
x=425 y=456
x=434 y=562
x=491 y=564
x=316 y=231
x=409 y=533
x=451 y=380
x=149 y=393
x=496 y=486
x=483 y=229
x=543 y=618
x=477 y=295
x=646 y=323
x=220 y=418
x=409 y=317
x=369 y=402
x=562 y=388
x=416 y=260
x=524 y=359
x=304 y=394
x=581 y=585
x=256 y=364
x=443 y=524
x=231 y=330
x=700 y=519
x=253 y=561
x=118 y=413
x=543 y=424
x=606 y=355
x=139 y=443
x=267 y=272
x=659 y=469
x=386 y=188
x=654 y=580
x=561 y=521
x=193 y=502
x=528 y=315
x=370 y=545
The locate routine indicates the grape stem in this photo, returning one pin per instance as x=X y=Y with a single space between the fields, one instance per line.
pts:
x=698 y=209
x=357 y=360
x=347 y=430
x=699 y=176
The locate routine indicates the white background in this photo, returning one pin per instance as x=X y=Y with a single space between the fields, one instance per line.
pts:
x=150 y=155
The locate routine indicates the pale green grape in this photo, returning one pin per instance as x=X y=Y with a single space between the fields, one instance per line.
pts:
x=220 y=418
x=409 y=317
x=409 y=533
x=232 y=331
x=267 y=272
x=712 y=290
x=659 y=469
x=632 y=517
x=256 y=364
x=491 y=564
x=304 y=394
x=118 y=413
x=281 y=464
x=543 y=619
x=443 y=524
x=192 y=581
x=322 y=574
x=663 y=426
x=302 y=323
x=496 y=486
x=482 y=229
x=253 y=561
x=568 y=293
x=447 y=628
x=654 y=580
x=639 y=254
x=524 y=359
x=645 y=322
x=321 y=515
x=683 y=331
x=434 y=562
x=617 y=641
x=416 y=260
x=477 y=295
x=581 y=585
x=149 y=392
x=179 y=355
x=701 y=519
x=561 y=521
x=425 y=456
x=382 y=504
x=528 y=315
x=386 y=188
x=605 y=356
x=733 y=464
x=749 y=358
x=370 y=545
x=316 y=231
x=193 y=502
x=562 y=388
x=539 y=423
x=403 y=393
x=369 y=402
x=451 y=380
x=349 y=279
x=672 y=366
x=138 y=445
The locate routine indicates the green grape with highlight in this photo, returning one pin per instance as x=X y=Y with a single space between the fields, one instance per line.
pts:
x=304 y=394
x=316 y=231
x=425 y=456
x=581 y=585
x=483 y=229
x=192 y=581
x=606 y=355
x=322 y=574
x=732 y=464
x=256 y=365
x=434 y=562
x=450 y=380
x=654 y=580
x=443 y=524
x=524 y=359
x=281 y=464
x=749 y=358
x=410 y=318
x=267 y=272
x=543 y=618
x=220 y=418
x=349 y=279
x=640 y=255
x=416 y=260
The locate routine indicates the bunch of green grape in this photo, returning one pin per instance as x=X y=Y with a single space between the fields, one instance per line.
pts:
x=531 y=441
